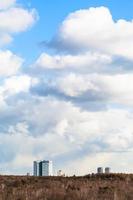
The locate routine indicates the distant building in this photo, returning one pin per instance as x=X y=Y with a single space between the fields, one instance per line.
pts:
x=107 y=170
x=43 y=168
x=100 y=170
x=60 y=173
x=36 y=168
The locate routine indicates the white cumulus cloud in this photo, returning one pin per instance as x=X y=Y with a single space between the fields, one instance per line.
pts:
x=9 y=63
x=84 y=61
x=95 y=29
x=15 y=20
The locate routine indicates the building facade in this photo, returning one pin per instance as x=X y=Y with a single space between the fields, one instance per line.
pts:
x=36 y=168
x=43 y=168
x=107 y=170
x=99 y=170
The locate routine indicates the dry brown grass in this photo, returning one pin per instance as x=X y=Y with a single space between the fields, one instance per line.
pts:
x=90 y=187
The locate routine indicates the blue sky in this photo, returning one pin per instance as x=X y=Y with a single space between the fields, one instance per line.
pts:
x=66 y=85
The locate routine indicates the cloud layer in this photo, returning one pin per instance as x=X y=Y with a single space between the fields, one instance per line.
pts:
x=73 y=106
x=93 y=71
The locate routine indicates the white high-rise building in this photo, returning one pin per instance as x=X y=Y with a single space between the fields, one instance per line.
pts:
x=47 y=168
x=36 y=168
x=43 y=168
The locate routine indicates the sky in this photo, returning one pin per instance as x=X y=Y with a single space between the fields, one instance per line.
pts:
x=66 y=85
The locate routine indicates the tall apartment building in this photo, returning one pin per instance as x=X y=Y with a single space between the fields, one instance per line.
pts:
x=43 y=168
x=36 y=168
x=99 y=170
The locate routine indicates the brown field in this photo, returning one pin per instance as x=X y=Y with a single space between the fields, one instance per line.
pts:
x=90 y=187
